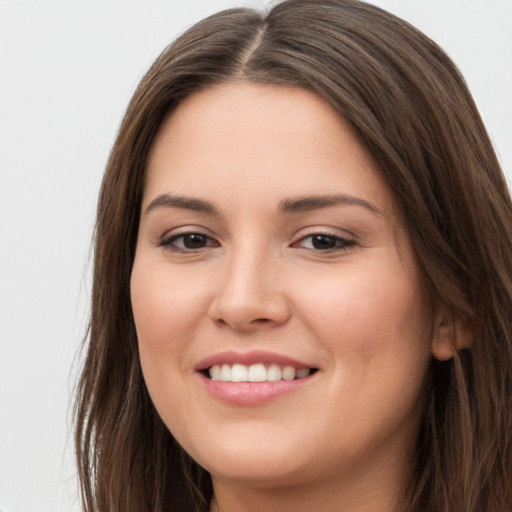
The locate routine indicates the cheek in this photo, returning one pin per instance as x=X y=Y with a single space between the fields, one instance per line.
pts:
x=159 y=310
x=369 y=312
x=167 y=307
x=375 y=328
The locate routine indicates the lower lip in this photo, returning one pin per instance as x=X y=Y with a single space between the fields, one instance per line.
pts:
x=252 y=393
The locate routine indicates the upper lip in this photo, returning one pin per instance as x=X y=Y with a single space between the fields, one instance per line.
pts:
x=249 y=358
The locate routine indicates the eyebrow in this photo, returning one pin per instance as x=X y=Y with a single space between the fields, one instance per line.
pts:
x=287 y=206
x=309 y=203
x=186 y=203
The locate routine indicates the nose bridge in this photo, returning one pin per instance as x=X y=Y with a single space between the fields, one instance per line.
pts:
x=249 y=293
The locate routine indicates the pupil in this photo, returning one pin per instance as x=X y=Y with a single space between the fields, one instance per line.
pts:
x=323 y=242
x=194 y=241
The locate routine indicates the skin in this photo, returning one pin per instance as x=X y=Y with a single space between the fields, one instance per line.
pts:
x=356 y=312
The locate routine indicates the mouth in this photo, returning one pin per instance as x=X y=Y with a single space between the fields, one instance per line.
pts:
x=254 y=377
x=258 y=372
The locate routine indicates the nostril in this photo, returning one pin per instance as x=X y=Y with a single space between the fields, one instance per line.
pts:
x=257 y=321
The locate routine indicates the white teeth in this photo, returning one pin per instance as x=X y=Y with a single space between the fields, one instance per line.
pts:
x=239 y=373
x=256 y=373
x=225 y=373
x=302 y=372
x=288 y=373
x=273 y=373
x=215 y=372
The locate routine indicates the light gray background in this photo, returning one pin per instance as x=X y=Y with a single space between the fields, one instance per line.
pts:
x=67 y=70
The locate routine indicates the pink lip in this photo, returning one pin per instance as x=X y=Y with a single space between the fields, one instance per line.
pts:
x=252 y=393
x=248 y=358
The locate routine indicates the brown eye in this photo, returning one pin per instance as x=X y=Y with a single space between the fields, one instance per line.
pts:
x=324 y=242
x=188 y=242
x=194 y=240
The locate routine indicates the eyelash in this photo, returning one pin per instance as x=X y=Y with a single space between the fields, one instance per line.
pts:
x=339 y=243
x=169 y=243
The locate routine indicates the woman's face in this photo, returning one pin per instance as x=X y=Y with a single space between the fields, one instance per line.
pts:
x=270 y=250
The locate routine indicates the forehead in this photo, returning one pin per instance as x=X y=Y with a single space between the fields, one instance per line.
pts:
x=242 y=140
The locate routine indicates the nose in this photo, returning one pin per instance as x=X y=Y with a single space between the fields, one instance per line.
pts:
x=250 y=294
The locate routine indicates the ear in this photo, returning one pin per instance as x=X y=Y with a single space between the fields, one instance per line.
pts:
x=450 y=336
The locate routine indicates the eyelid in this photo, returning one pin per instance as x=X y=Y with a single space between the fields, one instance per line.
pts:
x=167 y=240
x=344 y=241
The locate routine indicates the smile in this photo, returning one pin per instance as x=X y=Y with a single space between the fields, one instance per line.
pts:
x=258 y=372
x=253 y=378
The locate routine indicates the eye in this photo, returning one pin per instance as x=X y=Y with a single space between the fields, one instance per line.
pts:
x=324 y=242
x=191 y=241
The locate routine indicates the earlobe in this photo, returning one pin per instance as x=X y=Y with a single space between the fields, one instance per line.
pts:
x=450 y=336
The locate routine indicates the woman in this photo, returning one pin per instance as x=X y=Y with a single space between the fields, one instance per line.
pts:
x=302 y=284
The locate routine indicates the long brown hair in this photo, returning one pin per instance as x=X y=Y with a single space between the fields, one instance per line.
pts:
x=410 y=107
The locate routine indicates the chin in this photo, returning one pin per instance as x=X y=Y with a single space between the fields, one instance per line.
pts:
x=254 y=459
x=258 y=471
